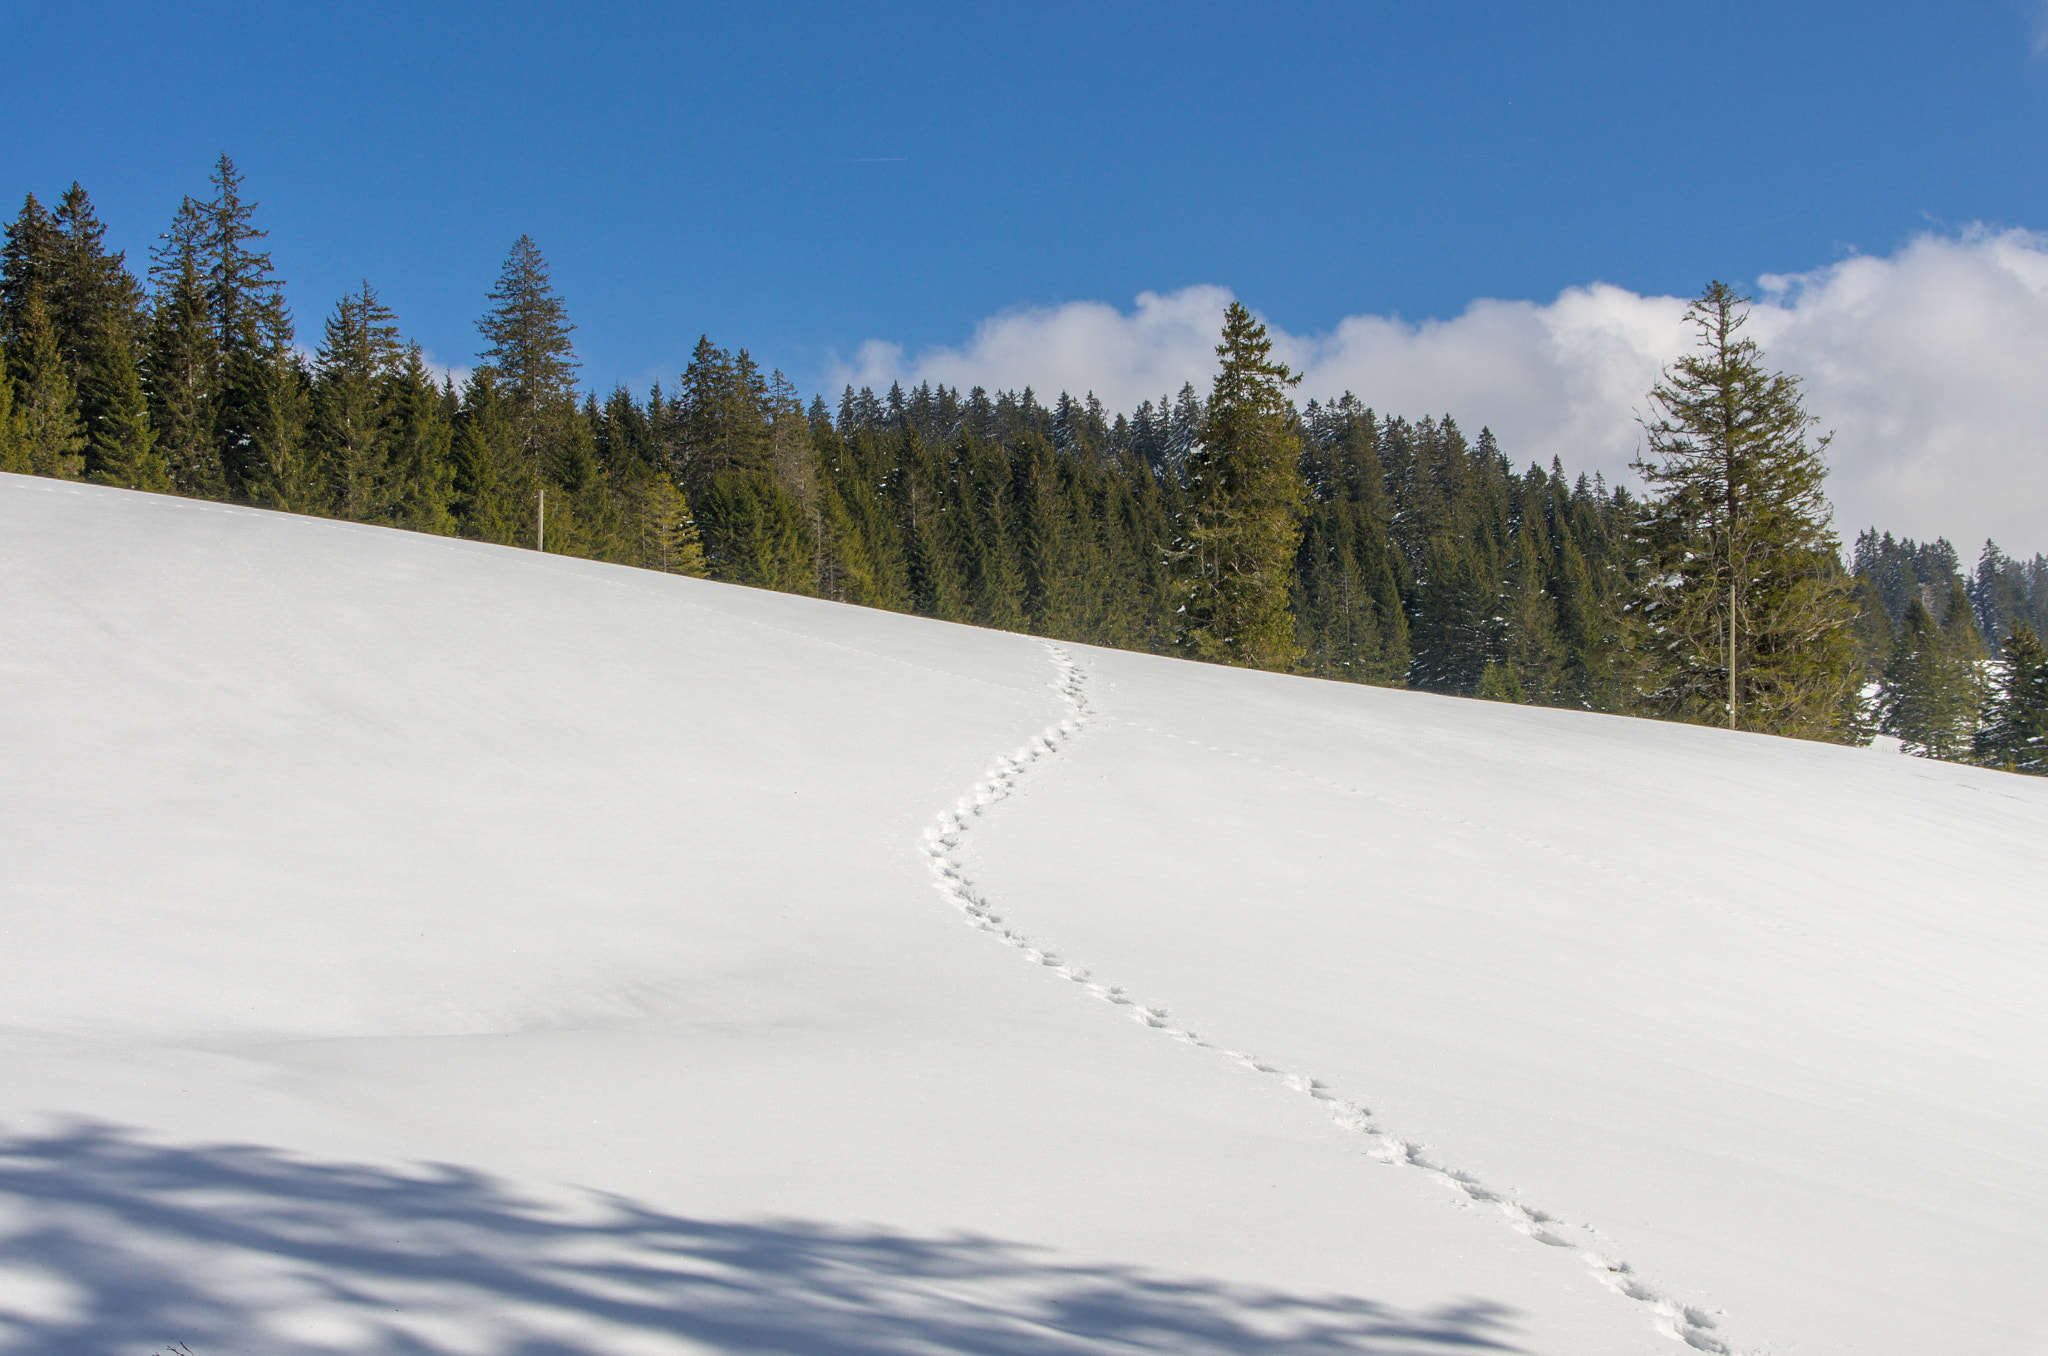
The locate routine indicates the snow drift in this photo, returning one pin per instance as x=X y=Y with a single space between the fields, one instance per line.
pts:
x=416 y=946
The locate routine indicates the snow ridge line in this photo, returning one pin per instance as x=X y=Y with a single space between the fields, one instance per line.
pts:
x=554 y=564
x=942 y=839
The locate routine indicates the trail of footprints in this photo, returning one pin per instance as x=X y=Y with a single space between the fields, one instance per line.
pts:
x=1681 y=1322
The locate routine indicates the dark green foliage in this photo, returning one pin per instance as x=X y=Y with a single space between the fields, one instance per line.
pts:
x=97 y=313
x=1933 y=688
x=354 y=377
x=263 y=395
x=1900 y=569
x=51 y=441
x=2015 y=727
x=1746 y=600
x=13 y=427
x=120 y=444
x=1332 y=541
x=1237 y=537
x=418 y=438
x=527 y=350
x=496 y=496
x=755 y=533
x=723 y=416
x=2007 y=594
x=181 y=360
x=1347 y=604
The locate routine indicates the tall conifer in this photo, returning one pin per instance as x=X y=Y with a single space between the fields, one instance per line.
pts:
x=1746 y=597
x=526 y=343
x=1933 y=688
x=2015 y=729
x=354 y=374
x=1240 y=529
x=180 y=365
x=53 y=442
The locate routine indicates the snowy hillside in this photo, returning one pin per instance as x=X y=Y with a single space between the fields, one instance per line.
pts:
x=412 y=946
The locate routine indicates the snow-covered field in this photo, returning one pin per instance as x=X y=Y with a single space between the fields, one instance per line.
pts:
x=411 y=946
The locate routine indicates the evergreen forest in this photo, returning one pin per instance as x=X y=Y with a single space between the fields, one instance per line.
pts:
x=1328 y=539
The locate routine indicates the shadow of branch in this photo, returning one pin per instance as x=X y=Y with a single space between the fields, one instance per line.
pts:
x=111 y=1243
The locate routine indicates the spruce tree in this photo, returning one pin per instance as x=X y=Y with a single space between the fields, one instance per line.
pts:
x=1932 y=689
x=1531 y=649
x=755 y=533
x=354 y=374
x=266 y=408
x=180 y=366
x=1239 y=532
x=120 y=444
x=418 y=454
x=526 y=344
x=2014 y=735
x=996 y=581
x=668 y=534
x=793 y=459
x=26 y=264
x=53 y=442
x=1746 y=598
x=1456 y=599
x=494 y=480
x=13 y=426
x=259 y=411
x=95 y=308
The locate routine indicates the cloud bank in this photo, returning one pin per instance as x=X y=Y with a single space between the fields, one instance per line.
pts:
x=1930 y=366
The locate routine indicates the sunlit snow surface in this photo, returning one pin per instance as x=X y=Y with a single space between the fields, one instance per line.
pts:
x=409 y=946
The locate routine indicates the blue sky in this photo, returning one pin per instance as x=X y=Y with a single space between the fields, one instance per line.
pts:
x=804 y=178
x=799 y=178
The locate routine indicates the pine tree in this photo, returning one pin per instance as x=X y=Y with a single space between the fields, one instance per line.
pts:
x=668 y=535
x=1933 y=688
x=180 y=367
x=526 y=336
x=418 y=453
x=1746 y=597
x=495 y=491
x=120 y=444
x=726 y=412
x=793 y=459
x=1531 y=647
x=1456 y=601
x=1239 y=533
x=27 y=262
x=267 y=407
x=354 y=375
x=2014 y=734
x=258 y=413
x=95 y=308
x=13 y=426
x=47 y=437
x=53 y=443
x=1598 y=626
x=996 y=580
x=755 y=533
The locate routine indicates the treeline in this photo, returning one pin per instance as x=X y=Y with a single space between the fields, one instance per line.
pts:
x=1955 y=659
x=1409 y=553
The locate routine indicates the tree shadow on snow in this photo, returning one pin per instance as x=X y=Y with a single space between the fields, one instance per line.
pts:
x=111 y=1243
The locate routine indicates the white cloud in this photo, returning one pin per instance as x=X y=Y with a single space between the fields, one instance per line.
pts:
x=1930 y=365
x=1932 y=368
x=441 y=371
x=1081 y=346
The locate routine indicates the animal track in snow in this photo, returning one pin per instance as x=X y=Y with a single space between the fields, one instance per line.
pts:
x=942 y=839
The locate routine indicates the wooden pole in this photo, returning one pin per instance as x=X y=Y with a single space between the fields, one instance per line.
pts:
x=1731 y=654
x=541 y=523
